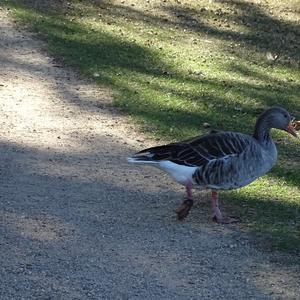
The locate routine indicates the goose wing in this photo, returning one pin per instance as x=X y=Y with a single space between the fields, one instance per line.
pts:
x=200 y=150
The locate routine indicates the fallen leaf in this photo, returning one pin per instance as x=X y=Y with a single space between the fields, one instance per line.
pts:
x=296 y=125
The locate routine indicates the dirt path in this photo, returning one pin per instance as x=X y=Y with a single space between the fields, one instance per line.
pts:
x=78 y=222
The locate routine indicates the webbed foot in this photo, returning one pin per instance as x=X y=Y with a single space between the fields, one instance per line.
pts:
x=184 y=209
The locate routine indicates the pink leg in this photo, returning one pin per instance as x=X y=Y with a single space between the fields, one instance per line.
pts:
x=217 y=216
x=189 y=192
x=184 y=209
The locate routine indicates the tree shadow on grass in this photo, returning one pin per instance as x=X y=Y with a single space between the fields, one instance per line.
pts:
x=107 y=56
x=263 y=32
x=271 y=220
x=226 y=20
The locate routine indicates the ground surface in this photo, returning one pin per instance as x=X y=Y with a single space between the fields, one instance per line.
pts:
x=78 y=222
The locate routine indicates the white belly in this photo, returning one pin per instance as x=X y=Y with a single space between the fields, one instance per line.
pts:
x=180 y=173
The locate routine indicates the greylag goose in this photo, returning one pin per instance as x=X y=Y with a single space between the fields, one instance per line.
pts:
x=220 y=160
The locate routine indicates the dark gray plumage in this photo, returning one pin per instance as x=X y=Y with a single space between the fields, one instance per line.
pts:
x=220 y=160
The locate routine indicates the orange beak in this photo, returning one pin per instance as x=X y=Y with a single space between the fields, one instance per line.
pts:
x=291 y=130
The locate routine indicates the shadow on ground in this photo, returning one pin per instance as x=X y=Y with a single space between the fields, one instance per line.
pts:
x=72 y=233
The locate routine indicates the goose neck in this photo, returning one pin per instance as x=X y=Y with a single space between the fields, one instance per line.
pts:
x=262 y=131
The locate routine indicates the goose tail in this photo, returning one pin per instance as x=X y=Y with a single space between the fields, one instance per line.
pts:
x=142 y=158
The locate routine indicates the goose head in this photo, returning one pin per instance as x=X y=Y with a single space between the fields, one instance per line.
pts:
x=275 y=117
x=281 y=119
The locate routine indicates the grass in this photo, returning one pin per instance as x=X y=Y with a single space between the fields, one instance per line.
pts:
x=174 y=65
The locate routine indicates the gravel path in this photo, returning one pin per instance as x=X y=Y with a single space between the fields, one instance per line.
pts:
x=78 y=222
